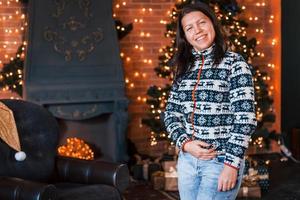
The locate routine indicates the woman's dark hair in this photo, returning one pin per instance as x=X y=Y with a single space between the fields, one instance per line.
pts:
x=183 y=58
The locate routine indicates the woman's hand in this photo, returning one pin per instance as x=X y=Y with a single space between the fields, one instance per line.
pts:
x=227 y=178
x=200 y=150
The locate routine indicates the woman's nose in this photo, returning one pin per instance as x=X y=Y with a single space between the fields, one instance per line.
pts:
x=198 y=29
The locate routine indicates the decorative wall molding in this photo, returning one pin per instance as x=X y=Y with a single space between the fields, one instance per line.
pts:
x=68 y=36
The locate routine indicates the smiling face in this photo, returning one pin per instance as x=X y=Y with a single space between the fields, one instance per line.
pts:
x=198 y=29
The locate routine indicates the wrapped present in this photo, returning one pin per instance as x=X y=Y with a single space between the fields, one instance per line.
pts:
x=168 y=165
x=152 y=168
x=251 y=178
x=137 y=171
x=158 y=180
x=171 y=184
x=143 y=168
x=146 y=171
x=171 y=180
x=149 y=168
x=253 y=191
x=264 y=181
x=257 y=176
x=140 y=170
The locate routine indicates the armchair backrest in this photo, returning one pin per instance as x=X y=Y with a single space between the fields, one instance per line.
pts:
x=38 y=132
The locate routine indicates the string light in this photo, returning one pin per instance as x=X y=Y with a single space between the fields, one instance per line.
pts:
x=76 y=148
x=8 y=18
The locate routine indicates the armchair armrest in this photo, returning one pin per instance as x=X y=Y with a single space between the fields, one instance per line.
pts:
x=93 y=172
x=19 y=189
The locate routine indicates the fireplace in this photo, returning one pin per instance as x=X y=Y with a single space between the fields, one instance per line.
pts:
x=73 y=68
x=104 y=132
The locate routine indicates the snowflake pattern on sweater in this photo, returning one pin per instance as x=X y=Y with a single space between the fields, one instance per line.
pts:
x=225 y=110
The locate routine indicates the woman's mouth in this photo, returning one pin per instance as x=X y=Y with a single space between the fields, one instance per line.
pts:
x=200 y=38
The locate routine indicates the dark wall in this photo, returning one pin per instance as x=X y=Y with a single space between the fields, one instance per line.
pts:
x=290 y=65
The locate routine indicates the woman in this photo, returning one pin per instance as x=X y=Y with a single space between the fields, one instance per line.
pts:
x=210 y=114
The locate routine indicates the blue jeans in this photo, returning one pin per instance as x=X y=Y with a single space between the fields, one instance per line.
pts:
x=198 y=179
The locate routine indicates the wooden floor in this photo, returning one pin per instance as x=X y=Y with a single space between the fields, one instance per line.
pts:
x=141 y=190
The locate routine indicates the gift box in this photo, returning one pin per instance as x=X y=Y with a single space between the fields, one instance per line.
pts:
x=168 y=165
x=158 y=180
x=152 y=168
x=137 y=171
x=250 y=186
x=253 y=191
x=145 y=170
x=171 y=180
x=171 y=184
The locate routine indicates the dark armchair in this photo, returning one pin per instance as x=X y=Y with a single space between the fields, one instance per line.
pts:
x=43 y=175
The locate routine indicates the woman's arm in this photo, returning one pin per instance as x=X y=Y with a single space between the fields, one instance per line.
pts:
x=244 y=122
x=242 y=104
x=173 y=118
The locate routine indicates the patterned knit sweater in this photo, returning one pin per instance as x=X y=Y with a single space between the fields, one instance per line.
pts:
x=225 y=110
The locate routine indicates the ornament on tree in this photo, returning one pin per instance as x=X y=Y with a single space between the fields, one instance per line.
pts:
x=76 y=148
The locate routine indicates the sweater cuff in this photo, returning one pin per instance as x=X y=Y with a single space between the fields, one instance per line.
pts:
x=231 y=166
x=232 y=161
x=184 y=143
x=182 y=140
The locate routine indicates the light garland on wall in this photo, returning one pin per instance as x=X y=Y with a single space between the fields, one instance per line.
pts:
x=16 y=16
x=10 y=32
x=273 y=44
x=131 y=78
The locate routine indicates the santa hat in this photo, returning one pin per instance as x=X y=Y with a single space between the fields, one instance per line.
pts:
x=8 y=131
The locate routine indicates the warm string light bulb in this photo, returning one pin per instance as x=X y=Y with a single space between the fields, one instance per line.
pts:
x=76 y=148
x=163 y=21
x=138 y=20
x=260 y=4
x=145 y=10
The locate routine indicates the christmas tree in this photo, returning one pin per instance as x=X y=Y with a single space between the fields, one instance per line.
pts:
x=228 y=12
x=11 y=76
